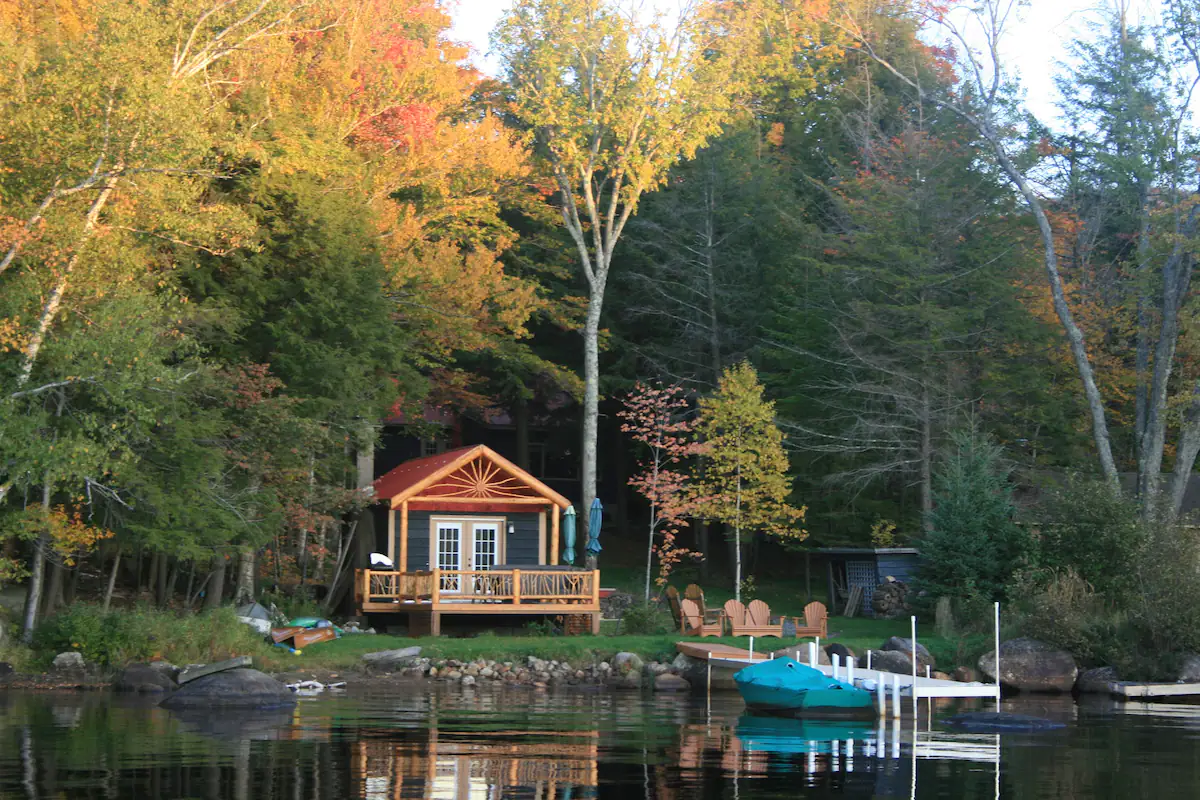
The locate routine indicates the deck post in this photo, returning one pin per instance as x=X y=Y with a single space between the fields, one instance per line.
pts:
x=402 y=565
x=391 y=540
x=896 y=696
x=596 y=588
x=435 y=623
x=516 y=583
x=555 y=513
x=596 y=624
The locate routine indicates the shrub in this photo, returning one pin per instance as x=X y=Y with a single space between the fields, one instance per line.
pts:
x=973 y=547
x=649 y=619
x=1061 y=608
x=115 y=638
x=1091 y=529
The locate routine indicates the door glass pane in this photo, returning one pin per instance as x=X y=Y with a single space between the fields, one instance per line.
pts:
x=449 y=554
x=486 y=546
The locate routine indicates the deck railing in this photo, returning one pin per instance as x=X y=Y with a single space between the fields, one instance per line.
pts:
x=529 y=587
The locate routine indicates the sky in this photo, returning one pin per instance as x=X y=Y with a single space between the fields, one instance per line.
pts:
x=1034 y=45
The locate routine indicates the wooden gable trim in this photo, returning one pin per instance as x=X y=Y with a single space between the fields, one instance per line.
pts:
x=548 y=495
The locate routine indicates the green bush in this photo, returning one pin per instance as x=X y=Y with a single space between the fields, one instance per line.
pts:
x=118 y=637
x=973 y=547
x=648 y=619
x=1089 y=528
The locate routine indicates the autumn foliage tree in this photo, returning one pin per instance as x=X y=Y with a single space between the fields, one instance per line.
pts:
x=745 y=482
x=657 y=417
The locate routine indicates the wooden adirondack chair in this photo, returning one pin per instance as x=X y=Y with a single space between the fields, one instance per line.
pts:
x=695 y=623
x=673 y=604
x=816 y=621
x=754 y=620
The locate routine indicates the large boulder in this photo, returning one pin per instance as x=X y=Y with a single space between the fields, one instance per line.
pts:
x=693 y=670
x=1189 y=669
x=667 y=682
x=68 y=662
x=1096 y=681
x=840 y=650
x=143 y=679
x=891 y=661
x=6 y=669
x=900 y=644
x=1028 y=665
x=391 y=660
x=247 y=688
x=627 y=663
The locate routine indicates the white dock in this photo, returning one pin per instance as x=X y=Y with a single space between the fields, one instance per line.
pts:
x=1136 y=691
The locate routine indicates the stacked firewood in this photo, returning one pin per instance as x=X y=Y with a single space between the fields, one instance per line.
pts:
x=890 y=599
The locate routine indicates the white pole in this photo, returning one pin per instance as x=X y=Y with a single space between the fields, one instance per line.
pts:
x=881 y=700
x=913 y=619
x=896 y=696
x=997 y=656
x=868 y=659
x=836 y=660
x=812 y=654
x=751 y=648
x=850 y=670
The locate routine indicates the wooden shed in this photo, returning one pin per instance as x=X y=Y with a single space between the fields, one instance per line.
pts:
x=866 y=568
x=469 y=532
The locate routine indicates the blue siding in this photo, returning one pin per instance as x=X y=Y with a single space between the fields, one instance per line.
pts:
x=521 y=546
x=902 y=567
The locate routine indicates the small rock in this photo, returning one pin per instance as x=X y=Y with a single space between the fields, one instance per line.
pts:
x=580 y=674
x=433 y=672
x=472 y=671
x=965 y=675
x=468 y=680
x=539 y=684
x=941 y=676
x=454 y=675
x=68 y=662
x=1096 y=681
x=666 y=682
x=627 y=663
x=605 y=666
x=487 y=672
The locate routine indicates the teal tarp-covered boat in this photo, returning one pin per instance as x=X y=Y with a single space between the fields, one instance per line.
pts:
x=785 y=686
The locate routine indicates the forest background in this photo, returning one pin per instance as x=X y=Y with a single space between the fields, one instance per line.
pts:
x=237 y=236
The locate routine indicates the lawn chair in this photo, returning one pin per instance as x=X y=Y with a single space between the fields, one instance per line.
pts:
x=816 y=620
x=711 y=616
x=755 y=619
x=673 y=604
x=695 y=623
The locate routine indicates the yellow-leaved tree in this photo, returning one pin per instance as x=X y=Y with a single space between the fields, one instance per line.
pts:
x=612 y=97
x=744 y=480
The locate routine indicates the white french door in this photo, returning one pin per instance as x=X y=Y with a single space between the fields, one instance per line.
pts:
x=449 y=554
x=466 y=545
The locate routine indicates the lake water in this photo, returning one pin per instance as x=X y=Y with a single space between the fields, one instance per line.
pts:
x=497 y=743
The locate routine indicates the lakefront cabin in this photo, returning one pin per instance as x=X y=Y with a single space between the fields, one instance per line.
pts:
x=471 y=533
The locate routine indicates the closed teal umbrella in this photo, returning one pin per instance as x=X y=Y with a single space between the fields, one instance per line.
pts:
x=569 y=534
x=595 y=519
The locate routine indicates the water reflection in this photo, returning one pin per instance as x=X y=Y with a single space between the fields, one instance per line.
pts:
x=545 y=746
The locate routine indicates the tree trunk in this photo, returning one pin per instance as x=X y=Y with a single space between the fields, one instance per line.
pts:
x=1185 y=457
x=520 y=412
x=737 y=539
x=591 y=405
x=703 y=532
x=166 y=575
x=152 y=578
x=52 y=597
x=243 y=592
x=926 y=462
x=73 y=584
x=112 y=579
x=37 y=572
x=216 y=584
x=1142 y=359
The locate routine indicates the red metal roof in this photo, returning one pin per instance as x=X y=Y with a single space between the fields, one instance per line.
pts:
x=413 y=472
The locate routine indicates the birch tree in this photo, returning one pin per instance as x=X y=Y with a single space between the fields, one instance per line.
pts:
x=611 y=100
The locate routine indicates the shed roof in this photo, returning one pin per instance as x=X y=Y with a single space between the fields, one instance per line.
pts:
x=434 y=476
x=868 y=551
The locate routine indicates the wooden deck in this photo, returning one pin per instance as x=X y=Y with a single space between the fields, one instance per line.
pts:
x=501 y=591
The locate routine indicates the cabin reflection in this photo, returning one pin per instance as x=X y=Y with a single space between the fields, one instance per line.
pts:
x=485 y=765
